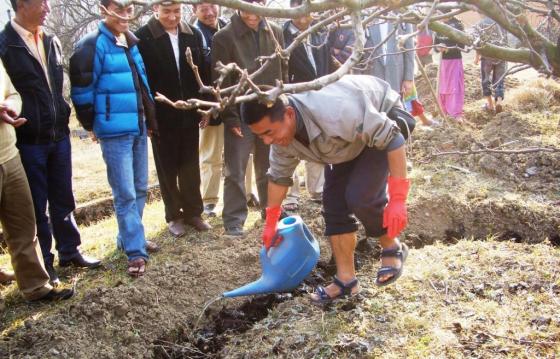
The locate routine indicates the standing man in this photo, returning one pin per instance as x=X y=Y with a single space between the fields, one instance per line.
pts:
x=112 y=98
x=243 y=41
x=212 y=136
x=211 y=143
x=16 y=207
x=348 y=126
x=33 y=59
x=310 y=60
x=163 y=41
x=389 y=62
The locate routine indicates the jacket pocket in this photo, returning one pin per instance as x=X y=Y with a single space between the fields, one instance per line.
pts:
x=107 y=107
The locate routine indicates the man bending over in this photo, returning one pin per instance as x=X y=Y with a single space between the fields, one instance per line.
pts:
x=346 y=125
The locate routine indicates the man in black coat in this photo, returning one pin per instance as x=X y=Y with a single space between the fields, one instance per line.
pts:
x=309 y=60
x=163 y=41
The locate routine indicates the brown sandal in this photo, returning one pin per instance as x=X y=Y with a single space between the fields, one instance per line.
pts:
x=136 y=267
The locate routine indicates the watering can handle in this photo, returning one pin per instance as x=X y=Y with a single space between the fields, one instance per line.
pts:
x=277 y=238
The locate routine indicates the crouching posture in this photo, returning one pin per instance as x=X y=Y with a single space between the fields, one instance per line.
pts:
x=346 y=125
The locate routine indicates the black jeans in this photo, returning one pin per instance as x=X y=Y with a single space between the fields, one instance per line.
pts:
x=356 y=188
x=176 y=158
x=49 y=172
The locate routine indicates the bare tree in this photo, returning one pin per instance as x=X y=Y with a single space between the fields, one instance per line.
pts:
x=70 y=20
x=537 y=45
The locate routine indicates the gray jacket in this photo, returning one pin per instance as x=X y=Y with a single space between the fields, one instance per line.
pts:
x=341 y=119
x=394 y=68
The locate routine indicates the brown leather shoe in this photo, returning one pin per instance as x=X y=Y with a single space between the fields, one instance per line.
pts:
x=6 y=277
x=177 y=228
x=198 y=223
x=151 y=247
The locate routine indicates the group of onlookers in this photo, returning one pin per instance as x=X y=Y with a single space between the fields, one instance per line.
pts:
x=114 y=75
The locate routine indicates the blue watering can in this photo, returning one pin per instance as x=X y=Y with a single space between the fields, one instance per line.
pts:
x=284 y=267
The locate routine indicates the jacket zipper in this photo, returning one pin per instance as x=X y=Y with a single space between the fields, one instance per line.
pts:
x=52 y=103
x=136 y=81
x=107 y=107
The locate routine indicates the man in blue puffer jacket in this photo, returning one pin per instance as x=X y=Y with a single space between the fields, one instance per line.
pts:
x=111 y=95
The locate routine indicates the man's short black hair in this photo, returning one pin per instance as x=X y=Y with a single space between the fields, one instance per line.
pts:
x=105 y=2
x=14 y=4
x=253 y=111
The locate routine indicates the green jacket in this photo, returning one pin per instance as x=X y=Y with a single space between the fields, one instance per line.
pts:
x=237 y=43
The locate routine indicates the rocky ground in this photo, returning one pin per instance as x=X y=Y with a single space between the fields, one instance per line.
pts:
x=482 y=280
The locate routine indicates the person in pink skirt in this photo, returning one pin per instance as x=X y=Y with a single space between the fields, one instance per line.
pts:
x=451 y=82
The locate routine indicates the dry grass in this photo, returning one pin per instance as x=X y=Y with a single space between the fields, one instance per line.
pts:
x=539 y=95
x=482 y=299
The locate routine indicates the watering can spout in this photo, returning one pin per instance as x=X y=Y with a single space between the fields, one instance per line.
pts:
x=257 y=287
x=284 y=267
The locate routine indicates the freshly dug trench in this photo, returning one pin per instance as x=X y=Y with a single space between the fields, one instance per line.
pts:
x=443 y=217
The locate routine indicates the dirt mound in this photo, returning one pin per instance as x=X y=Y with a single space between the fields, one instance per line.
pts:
x=533 y=172
x=125 y=320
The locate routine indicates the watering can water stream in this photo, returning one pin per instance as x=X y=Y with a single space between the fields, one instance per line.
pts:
x=284 y=267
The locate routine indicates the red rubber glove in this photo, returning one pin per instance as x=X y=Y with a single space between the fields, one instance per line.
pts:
x=395 y=217
x=271 y=222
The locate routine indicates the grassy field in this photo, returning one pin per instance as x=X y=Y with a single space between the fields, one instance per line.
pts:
x=89 y=173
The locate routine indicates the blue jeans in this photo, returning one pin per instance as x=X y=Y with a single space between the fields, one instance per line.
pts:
x=126 y=158
x=49 y=171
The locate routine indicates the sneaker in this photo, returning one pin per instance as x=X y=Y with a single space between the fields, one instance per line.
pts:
x=235 y=231
x=177 y=228
x=209 y=210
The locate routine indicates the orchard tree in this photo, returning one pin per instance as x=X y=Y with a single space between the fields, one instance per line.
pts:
x=536 y=45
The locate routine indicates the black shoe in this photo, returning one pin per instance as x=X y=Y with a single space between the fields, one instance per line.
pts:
x=54 y=281
x=253 y=201
x=235 y=231
x=57 y=294
x=80 y=261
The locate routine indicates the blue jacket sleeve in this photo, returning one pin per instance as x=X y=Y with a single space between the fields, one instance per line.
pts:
x=84 y=65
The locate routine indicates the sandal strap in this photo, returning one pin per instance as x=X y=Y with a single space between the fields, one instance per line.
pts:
x=387 y=270
x=345 y=288
x=320 y=290
x=392 y=252
x=136 y=262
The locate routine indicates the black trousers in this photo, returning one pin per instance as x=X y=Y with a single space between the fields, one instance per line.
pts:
x=356 y=188
x=176 y=158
